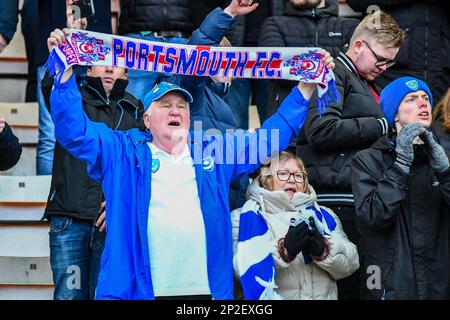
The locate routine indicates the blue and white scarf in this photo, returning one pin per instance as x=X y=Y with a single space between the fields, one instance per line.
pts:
x=254 y=258
x=255 y=264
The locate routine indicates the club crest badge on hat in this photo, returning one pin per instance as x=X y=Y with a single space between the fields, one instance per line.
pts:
x=155 y=165
x=412 y=84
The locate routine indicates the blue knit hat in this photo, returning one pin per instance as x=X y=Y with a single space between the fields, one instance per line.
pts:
x=393 y=94
x=161 y=89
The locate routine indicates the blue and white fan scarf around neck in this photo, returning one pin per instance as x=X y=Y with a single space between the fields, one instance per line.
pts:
x=255 y=264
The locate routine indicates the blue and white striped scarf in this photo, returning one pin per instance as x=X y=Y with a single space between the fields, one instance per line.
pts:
x=255 y=264
x=254 y=258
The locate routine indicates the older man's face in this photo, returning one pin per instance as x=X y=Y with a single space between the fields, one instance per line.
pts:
x=168 y=118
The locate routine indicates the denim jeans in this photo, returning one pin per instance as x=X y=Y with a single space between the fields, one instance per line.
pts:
x=239 y=99
x=46 y=137
x=141 y=82
x=76 y=248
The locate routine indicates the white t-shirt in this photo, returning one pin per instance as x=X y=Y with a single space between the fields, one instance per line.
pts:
x=176 y=231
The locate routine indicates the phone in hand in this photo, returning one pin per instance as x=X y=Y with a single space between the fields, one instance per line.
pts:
x=85 y=8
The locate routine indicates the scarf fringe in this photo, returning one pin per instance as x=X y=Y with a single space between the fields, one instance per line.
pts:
x=331 y=96
x=55 y=66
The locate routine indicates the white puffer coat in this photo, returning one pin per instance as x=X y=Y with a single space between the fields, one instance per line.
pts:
x=297 y=280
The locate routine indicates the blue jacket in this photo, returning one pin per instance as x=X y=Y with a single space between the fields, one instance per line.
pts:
x=122 y=162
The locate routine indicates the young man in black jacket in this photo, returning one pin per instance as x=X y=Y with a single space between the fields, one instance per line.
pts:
x=10 y=149
x=75 y=204
x=328 y=142
x=425 y=53
x=401 y=187
x=311 y=23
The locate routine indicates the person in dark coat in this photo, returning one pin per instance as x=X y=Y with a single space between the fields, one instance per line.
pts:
x=328 y=142
x=401 y=187
x=10 y=149
x=309 y=24
x=425 y=53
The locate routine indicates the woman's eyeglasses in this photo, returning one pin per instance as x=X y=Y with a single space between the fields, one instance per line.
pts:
x=284 y=175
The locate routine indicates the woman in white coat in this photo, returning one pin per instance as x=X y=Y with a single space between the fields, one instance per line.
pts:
x=286 y=246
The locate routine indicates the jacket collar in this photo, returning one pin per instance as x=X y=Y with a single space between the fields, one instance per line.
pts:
x=94 y=94
x=95 y=88
x=220 y=89
x=386 y=142
x=348 y=63
x=140 y=136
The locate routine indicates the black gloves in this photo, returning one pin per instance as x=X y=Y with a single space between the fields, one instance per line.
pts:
x=405 y=147
x=315 y=245
x=296 y=238
x=300 y=238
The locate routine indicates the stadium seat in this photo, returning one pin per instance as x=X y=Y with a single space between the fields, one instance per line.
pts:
x=24 y=243
x=23 y=198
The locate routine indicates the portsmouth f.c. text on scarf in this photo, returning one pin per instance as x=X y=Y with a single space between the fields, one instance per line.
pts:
x=91 y=48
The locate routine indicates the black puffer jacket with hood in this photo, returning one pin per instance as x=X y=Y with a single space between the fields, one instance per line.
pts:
x=304 y=28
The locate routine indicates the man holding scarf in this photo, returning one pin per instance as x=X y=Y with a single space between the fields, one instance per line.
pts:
x=168 y=219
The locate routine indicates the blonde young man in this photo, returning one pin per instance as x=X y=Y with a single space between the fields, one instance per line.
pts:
x=328 y=142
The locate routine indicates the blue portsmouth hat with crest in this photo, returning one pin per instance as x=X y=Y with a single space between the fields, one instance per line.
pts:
x=161 y=89
x=393 y=94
